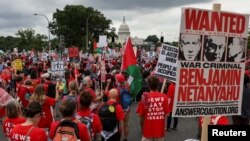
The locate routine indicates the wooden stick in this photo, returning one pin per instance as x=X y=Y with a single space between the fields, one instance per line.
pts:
x=206 y=121
x=163 y=85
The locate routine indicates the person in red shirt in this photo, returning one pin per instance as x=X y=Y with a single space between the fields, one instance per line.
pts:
x=68 y=109
x=84 y=112
x=96 y=97
x=28 y=130
x=170 y=94
x=153 y=110
x=14 y=116
x=23 y=90
x=118 y=132
x=47 y=105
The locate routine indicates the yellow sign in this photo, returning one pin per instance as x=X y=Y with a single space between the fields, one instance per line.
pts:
x=18 y=64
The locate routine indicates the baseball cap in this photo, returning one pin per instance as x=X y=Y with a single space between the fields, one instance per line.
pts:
x=120 y=78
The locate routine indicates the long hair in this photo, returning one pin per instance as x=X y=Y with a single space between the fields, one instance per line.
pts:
x=73 y=87
x=13 y=109
x=39 y=94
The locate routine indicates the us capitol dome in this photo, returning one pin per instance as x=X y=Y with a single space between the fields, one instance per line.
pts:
x=123 y=32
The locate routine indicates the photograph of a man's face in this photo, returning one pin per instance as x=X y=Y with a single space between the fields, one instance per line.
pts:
x=190 y=47
x=214 y=48
x=236 y=49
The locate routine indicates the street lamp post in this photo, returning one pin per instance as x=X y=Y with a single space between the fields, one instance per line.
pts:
x=87 y=22
x=48 y=27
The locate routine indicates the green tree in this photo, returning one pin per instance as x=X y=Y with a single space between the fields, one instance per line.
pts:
x=8 y=43
x=152 y=38
x=174 y=43
x=71 y=23
x=28 y=39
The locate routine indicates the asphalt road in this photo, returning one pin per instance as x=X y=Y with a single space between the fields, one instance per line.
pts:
x=187 y=129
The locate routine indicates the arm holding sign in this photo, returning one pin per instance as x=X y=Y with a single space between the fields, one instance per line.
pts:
x=57 y=92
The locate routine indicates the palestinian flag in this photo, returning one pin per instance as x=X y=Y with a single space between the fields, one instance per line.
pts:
x=129 y=65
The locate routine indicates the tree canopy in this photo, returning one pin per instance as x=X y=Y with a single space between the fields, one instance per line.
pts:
x=152 y=38
x=71 y=23
x=28 y=39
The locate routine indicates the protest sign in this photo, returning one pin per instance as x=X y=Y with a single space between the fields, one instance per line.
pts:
x=167 y=62
x=44 y=56
x=57 y=69
x=18 y=64
x=209 y=79
x=73 y=54
x=103 y=72
x=102 y=41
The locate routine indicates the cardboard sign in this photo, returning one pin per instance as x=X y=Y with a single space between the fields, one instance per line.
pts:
x=102 y=41
x=167 y=62
x=73 y=54
x=210 y=69
x=57 y=69
x=18 y=64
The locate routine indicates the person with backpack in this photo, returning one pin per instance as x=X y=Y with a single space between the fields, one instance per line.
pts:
x=125 y=100
x=68 y=128
x=112 y=118
x=28 y=131
x=153 y=110
x=91 y=120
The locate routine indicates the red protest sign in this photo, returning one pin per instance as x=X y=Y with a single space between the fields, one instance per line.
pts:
x=73 y=53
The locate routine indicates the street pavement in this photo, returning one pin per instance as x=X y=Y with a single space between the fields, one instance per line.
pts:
x=187 y=129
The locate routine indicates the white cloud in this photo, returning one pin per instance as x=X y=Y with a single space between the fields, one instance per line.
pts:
x=144 y=17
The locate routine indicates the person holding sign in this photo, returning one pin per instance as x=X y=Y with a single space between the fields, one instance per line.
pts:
x=236 y=49
x=214 y=48
x=190 y=46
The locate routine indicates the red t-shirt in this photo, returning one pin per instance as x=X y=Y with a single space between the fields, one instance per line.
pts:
x=96 y=124
x=22 y=90
x=2 y=112
x=83 y=131
x=92 y=92
x=9 y=124
x=170 y=94
x=154 y=114
x=119 y=111
x=47 y=118
x=35 y=82
x=19 y=133
x=215 y=120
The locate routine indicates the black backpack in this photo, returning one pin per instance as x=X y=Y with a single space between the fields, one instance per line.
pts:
x=107 y=114
x=88 y=120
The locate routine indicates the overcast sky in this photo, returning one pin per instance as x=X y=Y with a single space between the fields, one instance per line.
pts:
x=144 y=17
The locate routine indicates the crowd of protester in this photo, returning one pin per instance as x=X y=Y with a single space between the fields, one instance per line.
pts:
x=89 y=109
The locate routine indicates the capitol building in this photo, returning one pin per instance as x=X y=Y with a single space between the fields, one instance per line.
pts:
x=124 y=33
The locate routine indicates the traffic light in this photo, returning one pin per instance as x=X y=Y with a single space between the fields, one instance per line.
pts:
x=162 y=39
x=113 y=39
